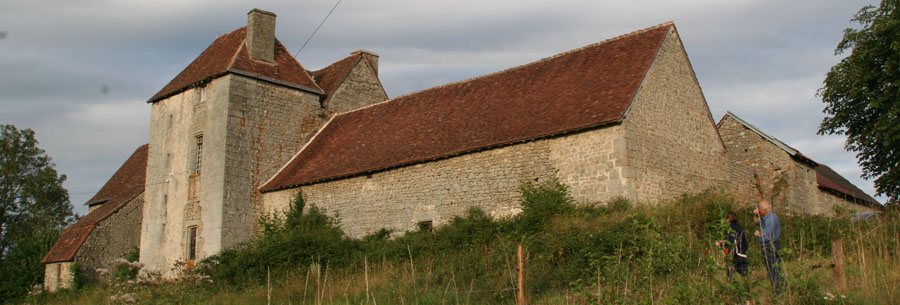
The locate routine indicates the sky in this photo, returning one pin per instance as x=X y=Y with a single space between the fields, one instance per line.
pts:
x=79 y=72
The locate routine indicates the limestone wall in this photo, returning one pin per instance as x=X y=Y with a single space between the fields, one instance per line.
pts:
x=672 y=143
x=754 y=163
x=266 y=125
x=436 y=191
x=58 y=276
x=173 y=186
x=830 y=202
x=250 y=128
x=112 y=238
x=757 y=165
x=361 y=88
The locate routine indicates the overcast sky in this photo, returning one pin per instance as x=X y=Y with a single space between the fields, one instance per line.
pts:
x=79 y=72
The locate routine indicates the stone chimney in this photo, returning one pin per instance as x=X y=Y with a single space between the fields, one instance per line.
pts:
x=261 y=35
x=371 y=57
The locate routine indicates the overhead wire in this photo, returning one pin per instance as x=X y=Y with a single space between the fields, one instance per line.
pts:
x=317 y=28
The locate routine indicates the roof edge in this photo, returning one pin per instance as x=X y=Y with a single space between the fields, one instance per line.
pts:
x=274 y=81
x=623 y=36
x=263 y=188
x=440 y=157
x=199 y=83
x=647 y=71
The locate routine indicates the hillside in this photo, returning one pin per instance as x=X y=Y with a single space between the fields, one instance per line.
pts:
x=615 y=253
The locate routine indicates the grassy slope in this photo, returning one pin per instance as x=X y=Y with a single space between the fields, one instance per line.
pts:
x=662 y=254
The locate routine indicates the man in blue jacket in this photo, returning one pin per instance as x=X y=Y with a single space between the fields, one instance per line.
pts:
x=768 y=240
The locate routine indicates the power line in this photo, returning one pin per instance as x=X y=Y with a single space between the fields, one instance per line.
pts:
x=82 y=193
x=317 y=28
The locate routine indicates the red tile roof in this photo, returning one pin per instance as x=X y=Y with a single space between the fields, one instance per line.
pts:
x=127 y=183
x=228 y=53
x=579 y=89
x=827 y=178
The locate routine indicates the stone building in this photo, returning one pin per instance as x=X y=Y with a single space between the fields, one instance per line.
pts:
x=762 y=167
x=224 y=125
x=109 y=231
x=624 y=117
x=244 y=128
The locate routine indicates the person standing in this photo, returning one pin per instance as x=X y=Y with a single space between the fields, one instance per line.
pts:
x=735 y=243
x=768 y=241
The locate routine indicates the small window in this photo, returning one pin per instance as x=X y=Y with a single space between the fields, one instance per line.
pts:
x=426 y=226
x=199 y=154
x=192 y=243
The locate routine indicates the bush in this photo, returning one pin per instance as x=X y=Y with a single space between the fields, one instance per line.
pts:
x=568 y=248
x=297 y=238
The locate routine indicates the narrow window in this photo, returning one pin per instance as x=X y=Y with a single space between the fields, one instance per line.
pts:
x=199 y=154
x=192 y=243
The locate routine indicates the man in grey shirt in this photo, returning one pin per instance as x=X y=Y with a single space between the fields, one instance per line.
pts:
x=768 y=240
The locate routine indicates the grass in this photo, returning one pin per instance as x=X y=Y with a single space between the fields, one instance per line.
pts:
x=614 y=253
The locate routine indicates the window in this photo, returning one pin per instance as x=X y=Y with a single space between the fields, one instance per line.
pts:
x=199 y=154
x=426 y=226
x=192 y=243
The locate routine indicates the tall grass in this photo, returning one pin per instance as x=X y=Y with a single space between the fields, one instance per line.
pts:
x=610 y=253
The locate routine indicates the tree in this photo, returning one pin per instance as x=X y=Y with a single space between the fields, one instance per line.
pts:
x=34 y=207
x=862 y=95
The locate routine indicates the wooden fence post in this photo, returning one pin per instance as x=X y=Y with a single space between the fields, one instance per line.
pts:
x=837 y=258
x=520 y=256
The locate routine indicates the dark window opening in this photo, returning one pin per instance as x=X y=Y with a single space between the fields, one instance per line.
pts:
x=426 y=226
x=192 y=243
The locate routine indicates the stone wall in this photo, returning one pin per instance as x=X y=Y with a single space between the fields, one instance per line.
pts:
x=112 y=238
x=672 y=143
x=266 y=125
x=58 y=276
x=173 y=186
x=250 y=129
x=831 y=202
x=400 y=198
x=361 y=88
x=756 y=165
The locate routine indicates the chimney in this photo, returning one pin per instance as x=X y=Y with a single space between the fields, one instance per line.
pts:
x=261 y=35
x=371 y=57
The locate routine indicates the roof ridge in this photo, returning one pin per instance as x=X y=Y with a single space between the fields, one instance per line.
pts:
x=623 y=36
x=787 y=148
x=335 y=62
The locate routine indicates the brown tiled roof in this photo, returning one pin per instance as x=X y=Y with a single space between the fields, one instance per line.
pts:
x=827 y=178
x=579 y=89
x=228 y=53
x=125 y=185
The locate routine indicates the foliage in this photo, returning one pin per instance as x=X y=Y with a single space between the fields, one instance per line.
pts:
x=77 y=276
x=22 y=267
x=612 y=253
x=34 y=206
x=294 y=239
x=127 y=269
x=862 y=95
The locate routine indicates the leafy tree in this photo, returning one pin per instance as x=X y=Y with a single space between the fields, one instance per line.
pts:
x=34 y=207
x=862 y=95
